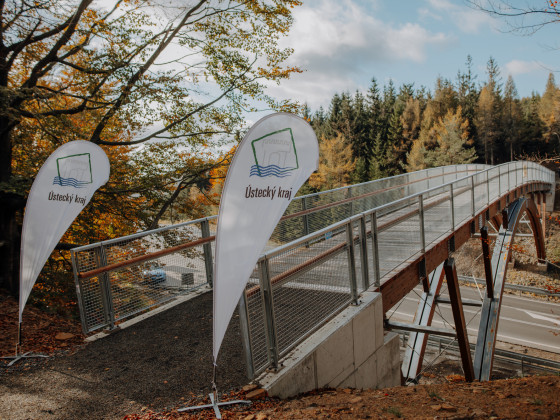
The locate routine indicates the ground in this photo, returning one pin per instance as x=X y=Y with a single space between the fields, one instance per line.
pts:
x=41 y=333
x=531 y=397
x=159 y=362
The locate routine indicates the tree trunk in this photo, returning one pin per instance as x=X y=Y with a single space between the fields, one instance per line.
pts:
x=9 y=247
x=10 y=204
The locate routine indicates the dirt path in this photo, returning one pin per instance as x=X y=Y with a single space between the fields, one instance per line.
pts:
x=156 y=363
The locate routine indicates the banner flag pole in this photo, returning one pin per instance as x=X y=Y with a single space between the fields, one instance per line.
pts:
x=271 y=163
x=214 y=400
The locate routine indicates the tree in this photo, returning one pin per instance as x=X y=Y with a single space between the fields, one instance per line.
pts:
x=335 y=163
x=488 y=119
x=549 y=112
x=411 y=120
x=511 y=116
x=522 y=18
x=445 y=98
x=396 y=146
x=179 y=73
x=532 y=127
x=467 y=95
x=453 y=144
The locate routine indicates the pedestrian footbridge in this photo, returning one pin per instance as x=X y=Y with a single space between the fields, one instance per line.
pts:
x=332 y=254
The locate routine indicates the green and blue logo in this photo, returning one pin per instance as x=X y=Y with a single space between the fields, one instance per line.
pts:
x=74 y=171
x=275 y=154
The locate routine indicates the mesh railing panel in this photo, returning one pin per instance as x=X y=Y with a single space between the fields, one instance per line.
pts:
x=462 y=201
x=93 y=313
x=398 y=233
x=437 y=217
x=131 y=288
x=301 y=307
x=321 y=288
x=480 y=192
x=256 y=325
x=494 y=182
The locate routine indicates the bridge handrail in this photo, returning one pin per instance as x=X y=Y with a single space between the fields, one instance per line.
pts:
x=112 y=274
x=378 y=209
x=442 y=169
x=353 y=232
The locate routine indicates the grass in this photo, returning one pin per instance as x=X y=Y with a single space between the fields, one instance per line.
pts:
x=434 y=394
x=394 y=411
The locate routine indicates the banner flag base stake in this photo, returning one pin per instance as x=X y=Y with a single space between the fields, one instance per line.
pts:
x=18 y=356
x=214 y=399
x=215 y=405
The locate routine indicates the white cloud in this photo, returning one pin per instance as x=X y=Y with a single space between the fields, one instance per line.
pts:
x=338 y=41
x=468 y=20
x=334 y=29
x=517 y=67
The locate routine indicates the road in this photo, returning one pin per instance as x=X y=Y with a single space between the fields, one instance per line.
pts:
x=523 y=321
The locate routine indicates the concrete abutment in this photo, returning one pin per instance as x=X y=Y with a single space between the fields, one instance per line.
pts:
x=350 y=351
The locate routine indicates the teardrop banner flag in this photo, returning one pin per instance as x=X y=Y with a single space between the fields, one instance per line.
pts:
x=63 y=187
x=271 y=163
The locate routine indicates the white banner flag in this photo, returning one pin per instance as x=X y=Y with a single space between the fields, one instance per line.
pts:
x=63 y=187
x=271 y=163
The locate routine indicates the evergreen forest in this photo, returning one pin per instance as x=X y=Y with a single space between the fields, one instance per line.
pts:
x=389 y=130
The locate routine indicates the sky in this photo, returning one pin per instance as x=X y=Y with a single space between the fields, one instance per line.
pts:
x=343 y=44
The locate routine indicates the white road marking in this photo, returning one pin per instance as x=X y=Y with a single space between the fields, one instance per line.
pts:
x=543 y=317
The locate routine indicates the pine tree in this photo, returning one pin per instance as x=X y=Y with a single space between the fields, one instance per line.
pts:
x=511 y=116
x=361 y=140
x=489 y=116
x=374 y=128
x=532 y=127
x=393 y=155
x=467 y=95
x=376 y=168
x=452 y=144
x=549 y=112
x=445 y=98
x=410 y=121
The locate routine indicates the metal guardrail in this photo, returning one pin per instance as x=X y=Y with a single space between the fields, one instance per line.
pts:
x=119 y=278
x=327 y=248
x=522 y=360
x=517 y=287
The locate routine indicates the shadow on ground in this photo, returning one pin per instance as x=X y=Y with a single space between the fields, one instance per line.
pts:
x=155 y=363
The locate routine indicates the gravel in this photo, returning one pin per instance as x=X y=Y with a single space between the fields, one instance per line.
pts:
x=156 y=363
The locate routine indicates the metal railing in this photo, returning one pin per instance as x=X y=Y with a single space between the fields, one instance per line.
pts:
x=300 y=285
x=327 y=248
x=119 y=278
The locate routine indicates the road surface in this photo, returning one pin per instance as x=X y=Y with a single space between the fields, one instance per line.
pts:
x=523 y=321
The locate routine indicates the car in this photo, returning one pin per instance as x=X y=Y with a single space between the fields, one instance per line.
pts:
x=154 y=274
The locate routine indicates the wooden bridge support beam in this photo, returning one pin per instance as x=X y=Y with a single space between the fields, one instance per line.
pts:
x=459 y=318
